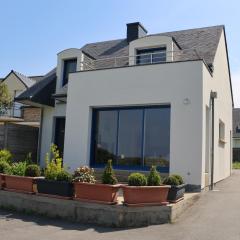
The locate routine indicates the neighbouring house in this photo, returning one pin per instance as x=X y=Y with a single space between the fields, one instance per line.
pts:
x=160 y=99
x=236 y=135
x=19 y=125
x=17 y=83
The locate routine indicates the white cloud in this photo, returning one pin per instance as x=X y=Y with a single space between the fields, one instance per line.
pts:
x=236 y=87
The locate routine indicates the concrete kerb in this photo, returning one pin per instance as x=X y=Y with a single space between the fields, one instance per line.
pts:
x=98 y=214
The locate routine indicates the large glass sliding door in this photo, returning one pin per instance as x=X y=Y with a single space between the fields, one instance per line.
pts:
x=130 y=138
x=133 y=138
x=105 y=136
x=157 y=137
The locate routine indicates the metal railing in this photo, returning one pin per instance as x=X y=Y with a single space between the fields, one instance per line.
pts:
x=13 y=111
x=141 y=59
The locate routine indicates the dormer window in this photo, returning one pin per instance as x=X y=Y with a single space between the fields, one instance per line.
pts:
x=69 y=66
x=151 y=55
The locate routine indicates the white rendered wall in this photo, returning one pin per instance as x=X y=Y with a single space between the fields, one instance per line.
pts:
x=223 y=111
x=49 y=114
x=178 y=84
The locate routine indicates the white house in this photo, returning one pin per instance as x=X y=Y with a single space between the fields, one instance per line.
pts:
x=162 y=99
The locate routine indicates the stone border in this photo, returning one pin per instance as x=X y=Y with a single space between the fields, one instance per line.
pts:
x=91 y=213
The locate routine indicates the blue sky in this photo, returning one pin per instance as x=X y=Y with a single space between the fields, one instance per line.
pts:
x=33 y=32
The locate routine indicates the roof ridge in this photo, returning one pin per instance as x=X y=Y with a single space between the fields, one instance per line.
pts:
x=21 y=74
x=189 y=29
x=103 y=42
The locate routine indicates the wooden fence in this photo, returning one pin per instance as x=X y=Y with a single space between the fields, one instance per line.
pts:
x=19 y=140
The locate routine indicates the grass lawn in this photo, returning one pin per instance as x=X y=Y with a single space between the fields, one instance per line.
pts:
x=236 y=165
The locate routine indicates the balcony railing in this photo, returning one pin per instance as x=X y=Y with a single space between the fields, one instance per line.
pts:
x=142 y=59
x=13 y=111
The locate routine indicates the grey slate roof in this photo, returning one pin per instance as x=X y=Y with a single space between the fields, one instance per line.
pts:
x=204 y=40
x=26 y=80
x=236 y=123
x=42 y=91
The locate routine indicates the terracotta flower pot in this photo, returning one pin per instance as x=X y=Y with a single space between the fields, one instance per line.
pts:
x=19 y=183
x=145 y=195
x=99 y=193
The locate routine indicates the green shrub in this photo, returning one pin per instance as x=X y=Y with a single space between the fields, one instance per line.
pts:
x=28 y=159
x=64 y=176
x=171 y=180
x=154 y=178
x=18 y=168
x=5 y=167
x=179 y=178
x=5 y=156
x=108 y=176
x=137 y=179
x=53 y=165
x=84 y=174
x=32 y=170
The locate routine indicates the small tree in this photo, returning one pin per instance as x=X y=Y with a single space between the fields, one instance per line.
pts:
x=154 y=178
x=108 y=176
x=5 y=98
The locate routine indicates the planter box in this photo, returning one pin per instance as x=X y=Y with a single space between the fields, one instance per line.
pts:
x=176 y=193
x=145 y=195
x=94 y=192
x=20 y=183
x=55 y=188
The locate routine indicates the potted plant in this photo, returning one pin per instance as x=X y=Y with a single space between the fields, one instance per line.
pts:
x=177 y=190
x=142 y=190
x=22 y=177
x=86 y=188
x=4 y=169
x=57 y=181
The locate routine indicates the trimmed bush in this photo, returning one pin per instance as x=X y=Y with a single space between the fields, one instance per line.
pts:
x=171 y=180
x=84 y=174
x=154 y=178
x=32 y=170
x=108 y=176
x=5 y=168
x=137 y=179
x=64 y=176
x=179 y=178
x=5 y=156
x=18 y=168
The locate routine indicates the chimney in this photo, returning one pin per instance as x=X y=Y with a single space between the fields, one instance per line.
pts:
x=135 y=30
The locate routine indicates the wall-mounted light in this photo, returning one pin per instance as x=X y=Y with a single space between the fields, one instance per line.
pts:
x=186 y=101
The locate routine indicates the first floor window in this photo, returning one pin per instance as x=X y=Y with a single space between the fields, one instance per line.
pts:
x=132 y=138
x=151 y=55
x=69 y=66
x=221 y=131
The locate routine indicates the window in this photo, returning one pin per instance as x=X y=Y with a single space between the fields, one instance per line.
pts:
x=238 y=128
x=134 y=138
x=151 y=55
x=69 y=66
x=221 y=131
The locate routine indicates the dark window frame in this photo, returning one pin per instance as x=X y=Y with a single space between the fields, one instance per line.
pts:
x=65 y=75
x=147 y=54
x=93 y=136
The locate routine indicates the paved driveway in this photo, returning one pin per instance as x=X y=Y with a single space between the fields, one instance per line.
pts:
x=215 y=216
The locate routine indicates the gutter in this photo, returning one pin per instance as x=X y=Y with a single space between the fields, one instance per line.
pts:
x=213 y=96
